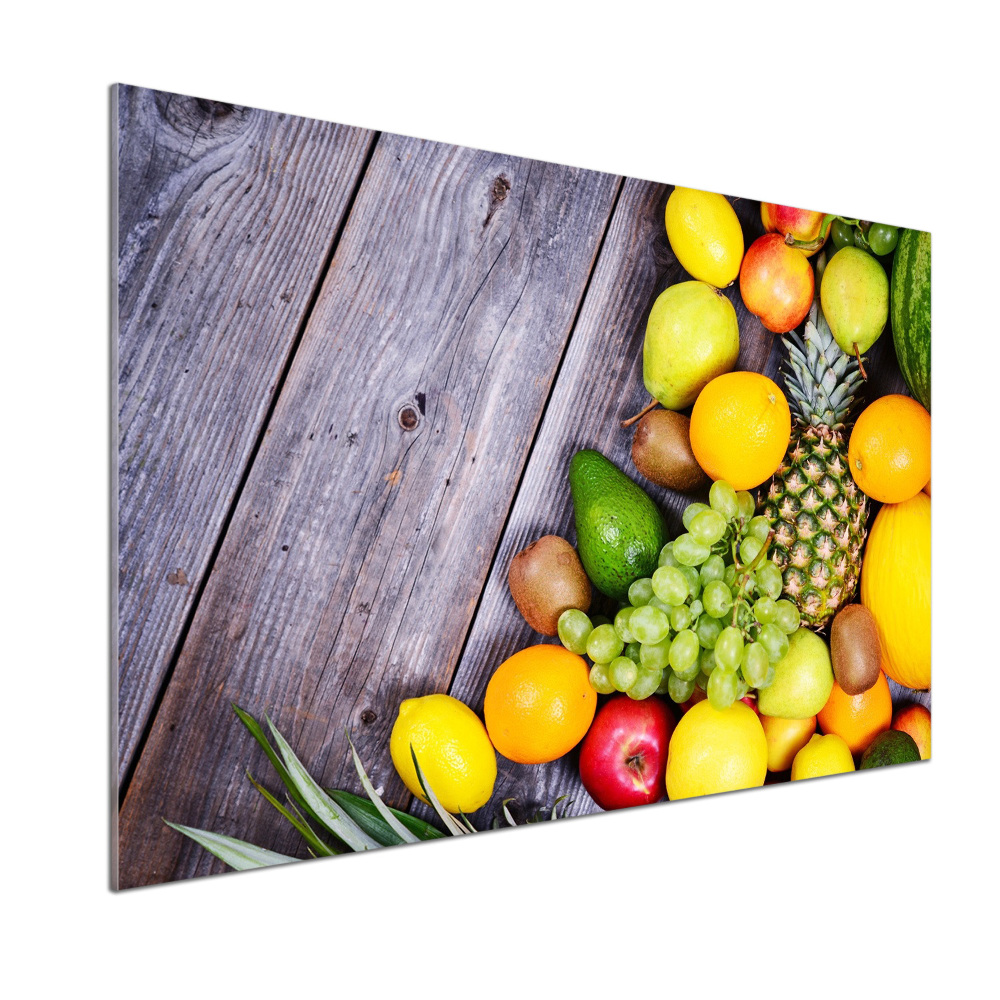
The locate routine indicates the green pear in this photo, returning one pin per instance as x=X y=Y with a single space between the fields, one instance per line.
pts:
x=692 y=336
x=854 y=295
x=803 y=679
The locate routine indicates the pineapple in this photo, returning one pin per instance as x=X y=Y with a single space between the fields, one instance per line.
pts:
x=817 y=511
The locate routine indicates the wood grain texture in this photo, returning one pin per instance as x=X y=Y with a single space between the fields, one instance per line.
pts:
x=600 y=382
x=227 y=216
x=358 y=550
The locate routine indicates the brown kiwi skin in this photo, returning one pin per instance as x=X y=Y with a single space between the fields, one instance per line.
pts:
x=546 y=579
x=855 y=649
x=661 y=451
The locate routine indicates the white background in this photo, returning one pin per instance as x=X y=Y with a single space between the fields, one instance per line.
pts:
x=874 y=884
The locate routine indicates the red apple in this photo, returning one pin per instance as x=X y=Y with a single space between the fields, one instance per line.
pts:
x=777 y=283
x=623 y=757
x=800 y=224
x=698 y=694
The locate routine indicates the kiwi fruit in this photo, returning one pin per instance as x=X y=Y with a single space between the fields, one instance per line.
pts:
x=855 y=649
x=545 y=580
x=661 y=451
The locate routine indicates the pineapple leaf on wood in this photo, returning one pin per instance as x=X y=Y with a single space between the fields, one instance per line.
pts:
x=237 y=854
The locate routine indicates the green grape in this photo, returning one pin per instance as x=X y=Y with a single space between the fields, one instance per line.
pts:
x=841 y=234
x=691 y=511
x=693 y=578
x=882 y=238
x=679 y=690
x=746 y=504
x=621 y=624
x=670 y=585
x=684 y=650
x=749 y=548
x=695 y=608
x=729 y=576
x=774 y=641
x=691 y=672
x=664 y=686
x=754 y=664
x=722 y=497
x=631 y=650
x=654 y=655
x=655 y=602
x=680 y=617
x=706 y=661
x=667 y=555
x=640 y=592
x=759 y=528
x=717 y=598
x=649 y=625
x=708 y=527
x=701 y=681
x=688 y=551
x=765 y=610
x=708 y=630
x=769 y=579
x=741 y=686
x=600 y=680
x=729 y=649
x=645 y=684
x=786 y=616
x=713 y=568
x=721 y=690
x=622 y=673
x=604 y=644
x=574 y=630
x=769 y=678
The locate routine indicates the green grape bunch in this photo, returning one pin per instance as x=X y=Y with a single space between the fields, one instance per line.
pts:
x=710 y=615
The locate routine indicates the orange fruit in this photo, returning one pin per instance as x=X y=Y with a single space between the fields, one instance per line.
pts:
x=915 y=720
x=539 y=704
x=740 y=427
x=890 y=449
x=857 y=719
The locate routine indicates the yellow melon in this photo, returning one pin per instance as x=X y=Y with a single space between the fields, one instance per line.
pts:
x=896 y=588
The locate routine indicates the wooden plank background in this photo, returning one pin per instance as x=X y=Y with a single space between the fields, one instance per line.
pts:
x=226 y=218
x=358 y=549
x=355 y=466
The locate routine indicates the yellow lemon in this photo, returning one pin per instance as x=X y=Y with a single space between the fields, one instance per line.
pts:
x=705 y=235
x=712 y=751
x=822 y=755
x=453 y=749
x=785 y=738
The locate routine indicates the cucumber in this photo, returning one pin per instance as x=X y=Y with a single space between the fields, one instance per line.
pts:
x=910 y=310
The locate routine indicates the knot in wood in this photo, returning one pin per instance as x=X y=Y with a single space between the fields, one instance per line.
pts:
x=409 y=417
x=368 y=716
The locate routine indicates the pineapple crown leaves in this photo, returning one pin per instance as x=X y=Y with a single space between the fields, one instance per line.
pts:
x=821 y=379
x=354 y=823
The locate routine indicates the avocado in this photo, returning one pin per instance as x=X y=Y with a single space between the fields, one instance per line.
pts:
x=890 y=747
x=619 y=530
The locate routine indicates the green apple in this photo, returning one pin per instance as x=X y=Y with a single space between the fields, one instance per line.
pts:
x=854 y=294
x=692 y=335
x=803 y=679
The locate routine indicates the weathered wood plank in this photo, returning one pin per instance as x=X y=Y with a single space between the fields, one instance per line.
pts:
x=226 y=218
x=600 y=382
x=358 y=550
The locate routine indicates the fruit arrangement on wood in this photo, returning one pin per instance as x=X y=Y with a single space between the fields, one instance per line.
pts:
x=761 y=637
